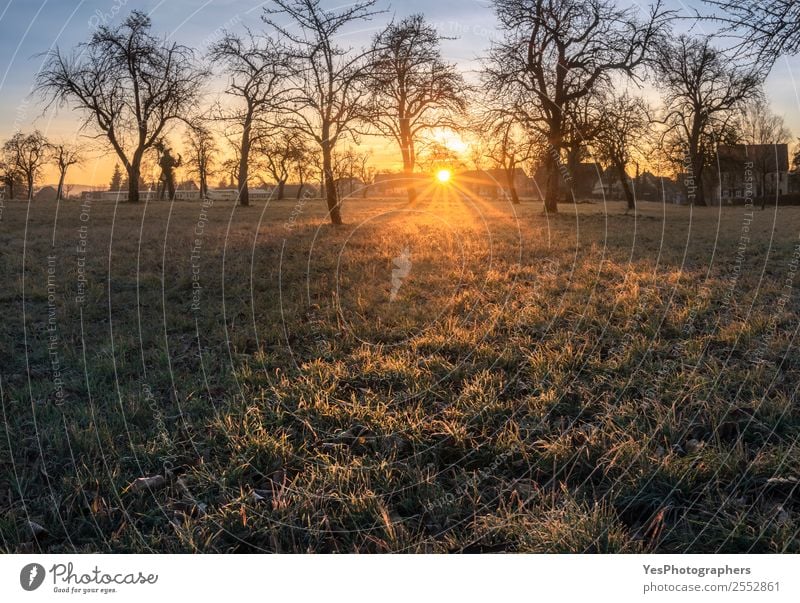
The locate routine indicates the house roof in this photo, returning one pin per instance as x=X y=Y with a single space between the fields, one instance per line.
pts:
x=46 y=193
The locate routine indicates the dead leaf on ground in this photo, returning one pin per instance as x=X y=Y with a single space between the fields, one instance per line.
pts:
x=38 y=531
x=147 y=483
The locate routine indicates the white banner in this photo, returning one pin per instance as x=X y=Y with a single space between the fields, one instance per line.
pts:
x=122 y=578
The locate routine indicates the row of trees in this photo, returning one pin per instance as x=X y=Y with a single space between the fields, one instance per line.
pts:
x=24 y=156
x=289 y=91
x=295 y=96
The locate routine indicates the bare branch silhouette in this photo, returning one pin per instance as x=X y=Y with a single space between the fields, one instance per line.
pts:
x=413 y=90
x=130 y=85
x=327 y=90
x=556 y=52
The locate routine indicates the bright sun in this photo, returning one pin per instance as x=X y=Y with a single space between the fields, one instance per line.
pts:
x=444 y=176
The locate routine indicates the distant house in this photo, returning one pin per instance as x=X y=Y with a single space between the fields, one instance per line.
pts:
x=185 y=194
x=794 y=182
x=645 y=187
x=607 y=185
x=349 y=186
x=648 y=187
x=230 y=194
x=584 y=180
x=91 y=194
x=295 y=191
x=672 y=191
x=396 y=184
x=46 y=193
x=493 y=183
x=752 y=171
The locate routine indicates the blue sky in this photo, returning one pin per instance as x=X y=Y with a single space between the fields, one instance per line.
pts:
x=30 y=27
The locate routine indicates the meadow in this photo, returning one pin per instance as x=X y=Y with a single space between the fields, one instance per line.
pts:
x=453 y=375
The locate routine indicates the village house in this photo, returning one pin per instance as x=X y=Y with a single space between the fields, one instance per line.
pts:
x=493 y=183
x=389 y=184
x=754 y=171
x=581 y=182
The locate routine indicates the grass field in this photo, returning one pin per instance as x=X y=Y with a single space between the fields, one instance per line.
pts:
x=455 y=375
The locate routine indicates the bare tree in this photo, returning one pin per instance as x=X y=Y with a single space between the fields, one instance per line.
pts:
x=582 y=124
x=306 y=161
x=413 y=90
x=555 y=52
x=365 y=172
x=507 y=146
x=435 y=156
x=625 y=125
x=10 y=176
x=768 y=29
x=762 y=130
x=327 y=90
x=758 y=124
x=280 y=153
x=230 y=166
x=28 y=154
x=351 y=166
x=130 y=84
x=64 y=156
x=202 y=148
x=230 y=171
x=257 y=69
x=702 y=89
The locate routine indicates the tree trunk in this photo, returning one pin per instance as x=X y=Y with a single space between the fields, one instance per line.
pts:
x=626 y=187
x=553 y=166
x=512 y=187
x=696 y=161
x=60 y=190
x=243 y=192
x=30 y=187
x=300 y=188
x=281 y=189
x=552 y=184
x=203 y=184
x=134 y=169
x=407 y=151
x=133 y=185
x=700 y=196
x=330 y=185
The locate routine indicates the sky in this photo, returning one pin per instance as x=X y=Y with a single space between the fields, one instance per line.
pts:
x=31 y=27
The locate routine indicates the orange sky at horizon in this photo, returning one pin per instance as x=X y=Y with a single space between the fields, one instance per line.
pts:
x=98 y=167
x=468 y=28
